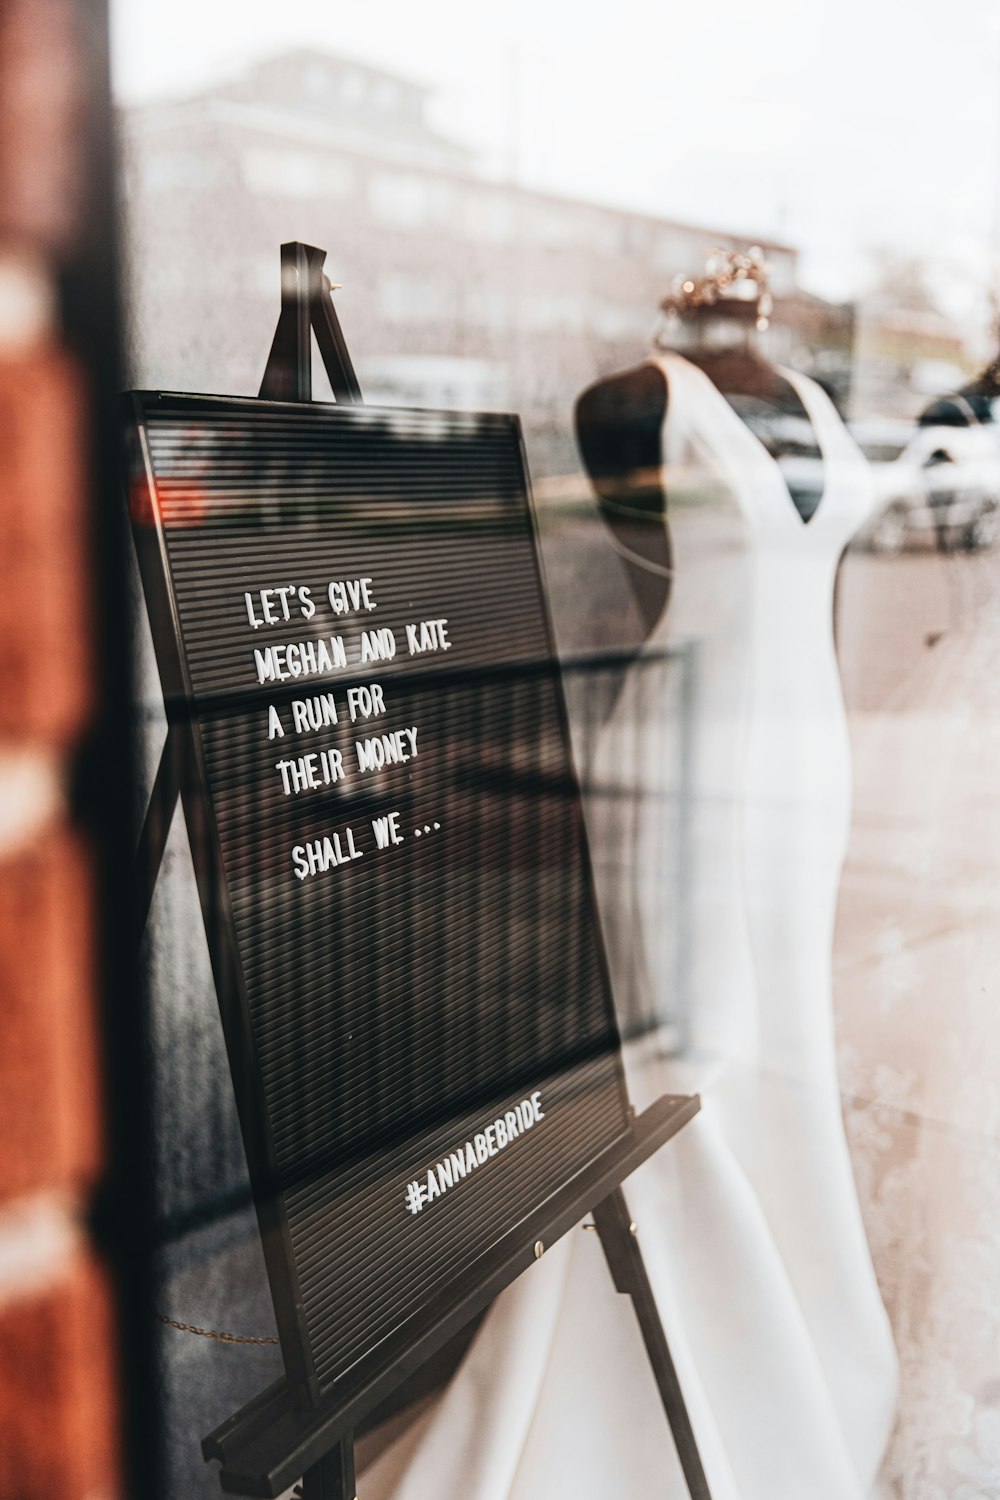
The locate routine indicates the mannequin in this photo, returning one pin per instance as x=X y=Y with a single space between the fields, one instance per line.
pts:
x=762 y=487
x=748 y=1221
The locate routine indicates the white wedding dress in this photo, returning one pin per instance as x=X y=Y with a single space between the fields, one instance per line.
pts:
x=749 y=1220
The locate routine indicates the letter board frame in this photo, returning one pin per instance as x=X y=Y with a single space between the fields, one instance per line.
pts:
x=194 y=461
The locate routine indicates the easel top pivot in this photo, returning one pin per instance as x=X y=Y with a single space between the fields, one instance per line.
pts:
x=307 y=305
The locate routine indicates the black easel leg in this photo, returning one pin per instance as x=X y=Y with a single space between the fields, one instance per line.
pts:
x=621 y=1249
x=333 y=1477
x=156 y=826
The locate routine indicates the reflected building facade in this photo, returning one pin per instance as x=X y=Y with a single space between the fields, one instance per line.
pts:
x=459 y=290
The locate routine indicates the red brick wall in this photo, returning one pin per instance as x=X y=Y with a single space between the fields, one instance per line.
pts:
x=58 y=1416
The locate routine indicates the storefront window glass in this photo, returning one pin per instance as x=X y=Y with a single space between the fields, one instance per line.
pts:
x=770 y=521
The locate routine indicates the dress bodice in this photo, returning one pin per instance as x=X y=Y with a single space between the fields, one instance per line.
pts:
x=796 y=748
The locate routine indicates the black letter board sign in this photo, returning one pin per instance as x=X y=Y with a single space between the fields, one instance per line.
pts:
x=352 y=632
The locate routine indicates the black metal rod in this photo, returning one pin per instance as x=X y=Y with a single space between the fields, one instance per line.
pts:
x=155 y=831
x=288 y=372
x=333 y=347
x=621 y=1249
x=333 y=1477
x=296 y=293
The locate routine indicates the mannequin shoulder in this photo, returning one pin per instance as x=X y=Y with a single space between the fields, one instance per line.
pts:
x=619 y=431
x=627 y=398
x=619 y=422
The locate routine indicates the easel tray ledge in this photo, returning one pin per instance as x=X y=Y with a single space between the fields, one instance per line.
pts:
x=266 y=1446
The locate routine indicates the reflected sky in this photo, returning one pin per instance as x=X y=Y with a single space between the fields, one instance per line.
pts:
x=841 y=129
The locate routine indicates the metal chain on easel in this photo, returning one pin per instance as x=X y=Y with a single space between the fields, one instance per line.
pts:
x=213 y=1333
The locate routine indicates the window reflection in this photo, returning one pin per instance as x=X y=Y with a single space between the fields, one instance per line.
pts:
x=488 y=281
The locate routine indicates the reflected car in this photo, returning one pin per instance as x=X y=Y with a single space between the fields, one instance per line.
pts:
x=936 y=486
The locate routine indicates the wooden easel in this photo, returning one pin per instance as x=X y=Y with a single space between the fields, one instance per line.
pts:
x=275 y=1438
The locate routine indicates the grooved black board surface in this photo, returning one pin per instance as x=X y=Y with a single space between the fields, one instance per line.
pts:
x=380 y=1013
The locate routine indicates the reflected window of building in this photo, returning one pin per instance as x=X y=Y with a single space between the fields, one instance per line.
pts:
x=555 y=312
x=279 y=173
x=385 y=93
x=676 y=249
x=409 y=200
x=179 y=170
x=488 y=216
x=352 y=87
x=437 y=380
x=405 y=298
x=554 y=225
x=620 y=320
x=783 y=266
x=488 y=307
x=605 y=233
